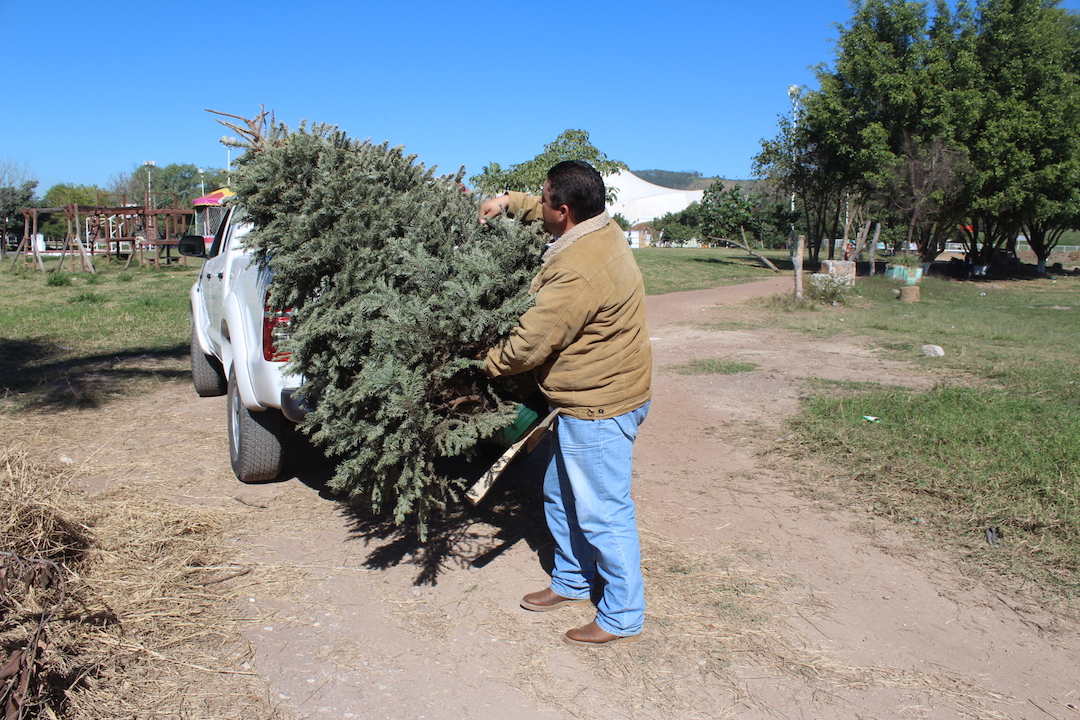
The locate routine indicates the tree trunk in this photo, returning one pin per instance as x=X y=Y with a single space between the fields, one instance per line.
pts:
x=873 y=248
x=797 y=258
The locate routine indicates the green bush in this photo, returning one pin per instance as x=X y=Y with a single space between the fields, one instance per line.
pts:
x=828 y=289
x=58 y=279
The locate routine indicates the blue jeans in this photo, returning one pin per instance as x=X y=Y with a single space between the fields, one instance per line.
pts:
x=591 y=516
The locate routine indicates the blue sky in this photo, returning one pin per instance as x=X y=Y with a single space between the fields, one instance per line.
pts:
x=97 y=88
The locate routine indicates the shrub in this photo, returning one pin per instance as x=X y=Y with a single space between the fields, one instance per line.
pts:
x=90 y=298
x=828 y=289
x=58 y=279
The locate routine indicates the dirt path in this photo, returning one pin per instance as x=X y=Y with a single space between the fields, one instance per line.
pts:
x=763 y=601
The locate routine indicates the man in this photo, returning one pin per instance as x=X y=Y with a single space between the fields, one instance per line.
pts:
x=587 y=343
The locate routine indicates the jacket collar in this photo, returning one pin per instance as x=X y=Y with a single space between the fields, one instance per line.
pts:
x=597 y=222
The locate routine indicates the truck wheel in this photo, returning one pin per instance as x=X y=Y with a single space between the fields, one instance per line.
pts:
x=255 y=439
x=206 y=373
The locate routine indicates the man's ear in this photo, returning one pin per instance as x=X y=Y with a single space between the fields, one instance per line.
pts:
x=569 y=214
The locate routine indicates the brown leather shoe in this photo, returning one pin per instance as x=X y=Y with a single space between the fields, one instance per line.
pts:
x=547 y=599
x=592 y=635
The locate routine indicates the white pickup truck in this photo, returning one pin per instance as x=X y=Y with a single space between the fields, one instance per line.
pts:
x=233 y=334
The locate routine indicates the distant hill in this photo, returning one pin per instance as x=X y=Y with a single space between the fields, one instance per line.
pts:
x=675 y=180
x=693 y=180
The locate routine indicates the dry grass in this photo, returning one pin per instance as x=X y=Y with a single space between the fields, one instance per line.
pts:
x=134 y=624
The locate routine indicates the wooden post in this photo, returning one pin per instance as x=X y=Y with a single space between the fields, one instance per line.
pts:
x=28 y=244
x=873 y=247
x=22 y=244
x=796 y=260
x=64 y=250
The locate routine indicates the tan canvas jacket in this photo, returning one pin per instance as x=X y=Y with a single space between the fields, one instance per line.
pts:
x=585 y=338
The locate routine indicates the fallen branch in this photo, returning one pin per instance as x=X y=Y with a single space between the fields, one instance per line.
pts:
x=223 y=578
x=756 y=254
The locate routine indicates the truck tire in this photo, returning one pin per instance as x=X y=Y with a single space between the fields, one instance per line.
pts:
x=255 y=439
x=206 y=373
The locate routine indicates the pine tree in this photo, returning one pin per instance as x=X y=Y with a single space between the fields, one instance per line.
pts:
x=396 y=291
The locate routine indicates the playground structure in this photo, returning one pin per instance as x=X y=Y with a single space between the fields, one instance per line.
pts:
x=145 y=232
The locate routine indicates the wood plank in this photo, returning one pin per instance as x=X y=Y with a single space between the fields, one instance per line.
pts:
x=530 y=440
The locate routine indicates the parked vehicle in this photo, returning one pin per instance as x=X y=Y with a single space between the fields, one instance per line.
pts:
x=234 y=352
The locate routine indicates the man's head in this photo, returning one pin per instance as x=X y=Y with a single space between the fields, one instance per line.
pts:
x=573 y=193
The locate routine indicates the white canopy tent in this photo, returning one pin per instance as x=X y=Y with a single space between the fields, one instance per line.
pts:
x=640 y=201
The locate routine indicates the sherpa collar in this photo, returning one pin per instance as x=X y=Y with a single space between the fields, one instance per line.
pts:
x=597 y=222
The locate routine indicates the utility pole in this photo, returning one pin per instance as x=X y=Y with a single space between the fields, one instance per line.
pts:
x=149 y=165
x=794 y=93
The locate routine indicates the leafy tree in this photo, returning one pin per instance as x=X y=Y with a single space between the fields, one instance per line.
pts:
x=680 y=227
x=724 y=213
x=16 y=192
x=858 y=119
x=923 y=187
x=774 y=218
x=529 y=176
x=55 y=225
x=621 y=220
x=396 y=290
x=1025 y=147
x=959 y=122
x=805 y=161
x=63 y=194
x=179 y=182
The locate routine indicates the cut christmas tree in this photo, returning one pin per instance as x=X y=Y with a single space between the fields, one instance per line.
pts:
x=396 y=291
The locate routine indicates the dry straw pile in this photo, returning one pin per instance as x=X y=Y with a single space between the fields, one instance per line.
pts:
x=111 y=607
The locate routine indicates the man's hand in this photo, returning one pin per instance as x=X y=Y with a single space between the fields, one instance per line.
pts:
x=493 y=208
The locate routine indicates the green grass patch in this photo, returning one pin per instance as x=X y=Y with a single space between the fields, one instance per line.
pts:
x=674 y=269
x=88 y=297
x=850 y=386
x=714 y=366
x=58 y=279
x=996 y=444
x=79 y=342
x=784 y=303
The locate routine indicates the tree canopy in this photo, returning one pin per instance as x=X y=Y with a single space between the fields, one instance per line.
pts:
x=529 y=176
x=725 y=213
x=16 y=192
x=181 y=182
x=956 y=119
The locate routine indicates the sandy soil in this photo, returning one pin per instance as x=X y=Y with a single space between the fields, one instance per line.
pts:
x=765 y=600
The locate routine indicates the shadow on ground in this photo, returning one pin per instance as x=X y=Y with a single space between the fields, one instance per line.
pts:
x=41 y=375
x=463 y=535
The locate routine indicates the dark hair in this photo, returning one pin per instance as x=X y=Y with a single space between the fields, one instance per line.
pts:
x=577 y=184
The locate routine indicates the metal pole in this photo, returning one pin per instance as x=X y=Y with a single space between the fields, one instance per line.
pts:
x=793 y=93
x=149 y=165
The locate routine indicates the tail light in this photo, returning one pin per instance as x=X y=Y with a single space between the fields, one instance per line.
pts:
x=277 y=326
